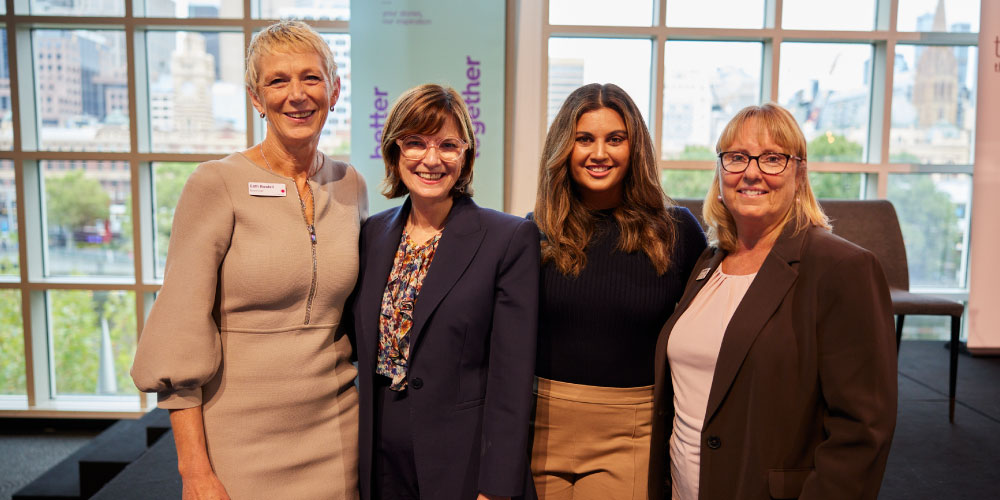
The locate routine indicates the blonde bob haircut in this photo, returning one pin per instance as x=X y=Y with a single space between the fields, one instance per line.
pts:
x=424 y=110
x=568 y=225
x=776 y=123
x=286 y=36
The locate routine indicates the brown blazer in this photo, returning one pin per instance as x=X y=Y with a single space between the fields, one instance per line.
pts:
x=803 y=400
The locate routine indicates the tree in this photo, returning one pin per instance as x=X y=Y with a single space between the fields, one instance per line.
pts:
x=833 y=147
x=74 y=200
x=835 y=185
x=930 y=229
x=12 y=367
x=686 y=183
x=169 y=182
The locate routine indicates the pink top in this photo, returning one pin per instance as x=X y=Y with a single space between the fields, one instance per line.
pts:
x=692 y=349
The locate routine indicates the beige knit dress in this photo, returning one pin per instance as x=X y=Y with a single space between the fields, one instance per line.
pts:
x=246 y=325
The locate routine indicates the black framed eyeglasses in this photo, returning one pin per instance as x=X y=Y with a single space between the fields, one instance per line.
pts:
x=735 y=162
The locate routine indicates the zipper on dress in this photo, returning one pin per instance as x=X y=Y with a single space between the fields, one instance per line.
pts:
x=311 y=229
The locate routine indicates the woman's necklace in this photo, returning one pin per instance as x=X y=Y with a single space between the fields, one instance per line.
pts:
x=310 y=227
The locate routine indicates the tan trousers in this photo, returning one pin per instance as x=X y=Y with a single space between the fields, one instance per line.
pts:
x=591 y=443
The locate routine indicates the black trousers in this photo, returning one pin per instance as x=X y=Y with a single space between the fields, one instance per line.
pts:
x=395 y=472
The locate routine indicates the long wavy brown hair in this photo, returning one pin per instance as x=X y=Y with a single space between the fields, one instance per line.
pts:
x=568 y=225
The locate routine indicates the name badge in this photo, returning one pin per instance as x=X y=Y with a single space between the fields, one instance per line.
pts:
x=267 y=189
x=703 y=273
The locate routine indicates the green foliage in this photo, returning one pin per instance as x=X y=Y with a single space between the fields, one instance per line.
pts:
x=169 y=182
x=74 y=200
x=836 y=185
x=930 y=229
x=76 y=338
x=686 y=183
x=696 y=152
x=12 y=367
x=833 y=147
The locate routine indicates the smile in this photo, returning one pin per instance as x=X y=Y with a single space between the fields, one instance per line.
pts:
x=752 y=192
x=598 y=170
x=430 y=176
x=300 y=114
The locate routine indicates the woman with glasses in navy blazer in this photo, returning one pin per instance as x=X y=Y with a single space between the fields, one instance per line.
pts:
x=445 y=318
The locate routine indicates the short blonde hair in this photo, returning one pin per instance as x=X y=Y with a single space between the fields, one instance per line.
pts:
x=780 y=127
x=287 y=35
x=424 y=110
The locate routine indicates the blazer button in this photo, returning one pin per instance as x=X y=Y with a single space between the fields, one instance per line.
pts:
x=417 y=383
x=714 y=442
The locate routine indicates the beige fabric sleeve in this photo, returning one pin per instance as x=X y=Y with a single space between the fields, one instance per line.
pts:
x=179 y=349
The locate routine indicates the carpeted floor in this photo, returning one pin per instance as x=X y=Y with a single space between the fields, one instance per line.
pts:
x=930 y=458
x=30 y=447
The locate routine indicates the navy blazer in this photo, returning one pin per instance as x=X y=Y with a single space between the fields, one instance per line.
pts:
x=803 y=400
x=472 y=350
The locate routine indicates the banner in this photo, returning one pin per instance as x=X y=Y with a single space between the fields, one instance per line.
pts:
x=399 y=44
x=984 y=276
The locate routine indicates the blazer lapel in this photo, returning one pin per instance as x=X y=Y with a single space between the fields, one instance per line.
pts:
x=762 y=299
x=699 y=276
x=459 y=243
x=382 y=249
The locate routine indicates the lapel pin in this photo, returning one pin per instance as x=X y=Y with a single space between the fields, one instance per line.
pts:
x=703 y=273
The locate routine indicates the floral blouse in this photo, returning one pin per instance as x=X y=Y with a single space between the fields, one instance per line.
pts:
x=396 y=317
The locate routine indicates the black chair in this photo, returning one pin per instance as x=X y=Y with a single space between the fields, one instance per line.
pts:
x=873 y=224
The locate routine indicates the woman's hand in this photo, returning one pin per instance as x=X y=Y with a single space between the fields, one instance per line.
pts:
x=203 y=486
x=484 y=496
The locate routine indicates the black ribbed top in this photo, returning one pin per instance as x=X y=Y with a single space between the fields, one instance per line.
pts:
x=600 y=328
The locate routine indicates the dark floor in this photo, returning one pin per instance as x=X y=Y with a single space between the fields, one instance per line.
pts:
x=930 y=458
x=29 y=447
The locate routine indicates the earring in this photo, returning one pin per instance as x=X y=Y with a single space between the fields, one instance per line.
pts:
x=262 y=115
x=331 y=108
x=720 y=197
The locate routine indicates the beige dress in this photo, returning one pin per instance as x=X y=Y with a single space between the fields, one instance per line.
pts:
x=246 y=325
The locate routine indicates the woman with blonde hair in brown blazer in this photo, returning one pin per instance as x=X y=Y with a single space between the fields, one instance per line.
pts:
x=776 y=374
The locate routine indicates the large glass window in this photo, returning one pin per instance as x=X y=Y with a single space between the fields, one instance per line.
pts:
x=956 y=16
x=168 y=181
x=601 y=12
x=934 y=214
x=828 y=64
x=574 y=62
x=700 y=97
x=716 y=13
x=827 y=86
x=81 y=90
x=88 y=218
x=69 y=8
x=197 y=97
x=327 y=10
x=933 y=104
x=6 y=116
x=12 y=366
x=9 y=241
x=840 y=15
x=93 y=341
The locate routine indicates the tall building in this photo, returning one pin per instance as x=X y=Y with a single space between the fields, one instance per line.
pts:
x=565 y=75
x=935 y=83
x=192 y=71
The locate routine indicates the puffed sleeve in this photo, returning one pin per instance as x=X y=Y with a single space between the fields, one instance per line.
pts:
x=857 y=372
x=507 y=410
x=179 y=349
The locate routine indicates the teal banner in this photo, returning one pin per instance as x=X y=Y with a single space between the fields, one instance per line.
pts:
x=399 y=44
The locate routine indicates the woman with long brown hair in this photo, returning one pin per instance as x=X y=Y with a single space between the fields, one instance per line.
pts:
x=615 y=256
